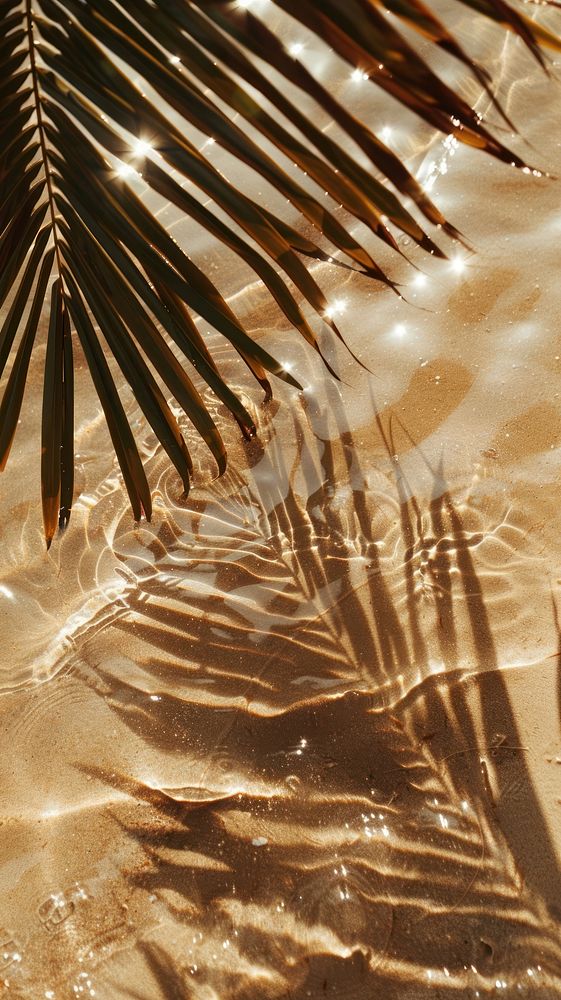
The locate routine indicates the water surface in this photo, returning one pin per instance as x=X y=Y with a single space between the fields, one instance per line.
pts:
x=299 y=737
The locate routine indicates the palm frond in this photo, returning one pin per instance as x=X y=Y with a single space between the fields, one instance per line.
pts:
x=75 y=122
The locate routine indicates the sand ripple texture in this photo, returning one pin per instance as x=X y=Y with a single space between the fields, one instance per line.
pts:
x=299 y=737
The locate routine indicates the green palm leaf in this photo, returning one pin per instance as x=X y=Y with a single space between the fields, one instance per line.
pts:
x=71 y=120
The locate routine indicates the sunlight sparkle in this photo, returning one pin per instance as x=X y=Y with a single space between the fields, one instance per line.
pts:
x=336 y=309
x=125 y=170
x=458 y=265
x=142 y=147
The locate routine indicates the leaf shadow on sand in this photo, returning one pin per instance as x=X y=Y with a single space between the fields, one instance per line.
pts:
x=341 y=829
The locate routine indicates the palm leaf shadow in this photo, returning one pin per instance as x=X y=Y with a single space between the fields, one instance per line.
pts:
x=374 y=789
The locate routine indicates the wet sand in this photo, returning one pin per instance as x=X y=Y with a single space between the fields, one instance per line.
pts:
x=300 y=736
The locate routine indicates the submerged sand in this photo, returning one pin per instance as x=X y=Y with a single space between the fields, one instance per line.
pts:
x=300 y=736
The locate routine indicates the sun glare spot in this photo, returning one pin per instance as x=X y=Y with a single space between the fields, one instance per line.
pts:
x=337 y=308
x=141 y=148
x=458 y=265
x=125 y=170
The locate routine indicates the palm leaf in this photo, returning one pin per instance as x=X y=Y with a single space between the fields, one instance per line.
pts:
x=71 y=120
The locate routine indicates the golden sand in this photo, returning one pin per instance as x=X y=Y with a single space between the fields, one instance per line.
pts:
x=299 y=736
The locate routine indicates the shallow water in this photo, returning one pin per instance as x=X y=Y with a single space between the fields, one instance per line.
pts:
x=299 y=737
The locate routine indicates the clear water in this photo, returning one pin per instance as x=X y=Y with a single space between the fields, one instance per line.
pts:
x=299 y=737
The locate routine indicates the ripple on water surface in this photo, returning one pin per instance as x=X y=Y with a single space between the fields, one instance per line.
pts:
x=271 y=744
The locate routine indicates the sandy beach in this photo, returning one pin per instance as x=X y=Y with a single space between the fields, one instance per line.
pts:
x=299 y=737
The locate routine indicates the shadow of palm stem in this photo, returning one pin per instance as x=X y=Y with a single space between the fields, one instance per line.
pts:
x=340 y=814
